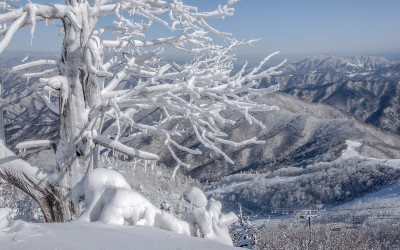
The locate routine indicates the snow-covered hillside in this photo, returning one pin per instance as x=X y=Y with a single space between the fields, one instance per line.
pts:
x=364 y=86
x=322 y=184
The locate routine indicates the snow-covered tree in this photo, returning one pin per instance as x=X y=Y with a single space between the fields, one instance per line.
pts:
x=85 y=88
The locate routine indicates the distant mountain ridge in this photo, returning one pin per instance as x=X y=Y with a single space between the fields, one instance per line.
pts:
x=364 y=86
x=319 y=70
x=355 y=64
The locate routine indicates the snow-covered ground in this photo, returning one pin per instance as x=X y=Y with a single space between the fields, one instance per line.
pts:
x=359 y=74
x=353 y=150
x=384 y=202
x=96 y=236
x=226 y=188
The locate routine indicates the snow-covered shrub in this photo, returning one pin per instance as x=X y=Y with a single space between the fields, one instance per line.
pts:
x=244 y=231
x=9 y=195
x=22 y=206
x=28 y=210
x=104 y=195
x=6 y=216
x=207 y=220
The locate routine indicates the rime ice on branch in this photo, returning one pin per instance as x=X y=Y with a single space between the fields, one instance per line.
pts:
x=94 y=108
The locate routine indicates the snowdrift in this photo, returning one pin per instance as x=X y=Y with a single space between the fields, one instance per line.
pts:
x=95 y=236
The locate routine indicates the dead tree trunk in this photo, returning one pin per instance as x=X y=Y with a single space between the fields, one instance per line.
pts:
x=79 y=88
x=75 y=155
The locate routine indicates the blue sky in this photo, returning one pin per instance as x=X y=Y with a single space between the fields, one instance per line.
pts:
x=297 y=28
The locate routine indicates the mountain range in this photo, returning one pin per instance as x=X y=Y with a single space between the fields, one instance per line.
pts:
x=364 y=86
x=323 y=102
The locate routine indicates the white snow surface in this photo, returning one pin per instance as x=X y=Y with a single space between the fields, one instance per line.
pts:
x=234 y=185
x=36 y=143
x=95 y=236
x=5 y=213
x=354 y=148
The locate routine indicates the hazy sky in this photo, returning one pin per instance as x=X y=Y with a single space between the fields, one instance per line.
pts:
x=297 y=28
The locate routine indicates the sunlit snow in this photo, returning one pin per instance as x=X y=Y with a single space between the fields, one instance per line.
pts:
x=88 y=236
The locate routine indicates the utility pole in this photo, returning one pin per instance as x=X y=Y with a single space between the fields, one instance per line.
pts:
x=3 y=104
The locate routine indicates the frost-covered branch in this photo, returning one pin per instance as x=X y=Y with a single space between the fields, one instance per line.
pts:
x=20 y=16
x=50 y=105
x=106 y=103
x=33 y=64
x=119 y=147
x=37 y=143
x=138 y=43
x=19 y=23
x=200 y=92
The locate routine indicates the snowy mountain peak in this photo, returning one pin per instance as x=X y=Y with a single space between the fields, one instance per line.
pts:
x=341 y=64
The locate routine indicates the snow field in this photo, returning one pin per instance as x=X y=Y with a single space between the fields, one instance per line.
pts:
x=95 y=236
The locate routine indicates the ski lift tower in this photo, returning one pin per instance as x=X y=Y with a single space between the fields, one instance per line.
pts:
x=308 y=213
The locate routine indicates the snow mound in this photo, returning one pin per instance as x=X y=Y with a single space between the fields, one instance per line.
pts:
x=105 y=196
x=197 y=197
